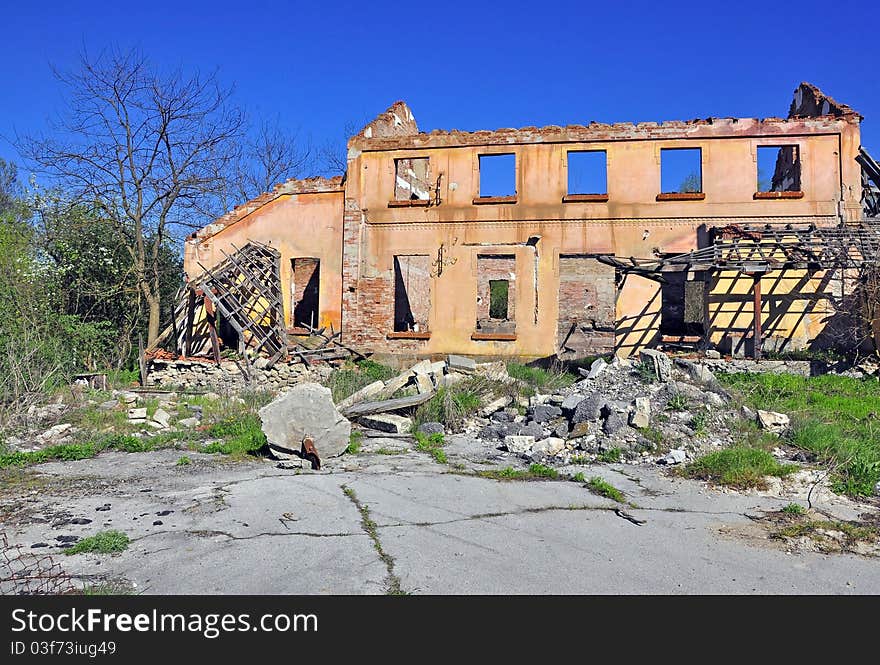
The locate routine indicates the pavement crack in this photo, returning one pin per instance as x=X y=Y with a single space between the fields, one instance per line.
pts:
x=392 y=582
x=207 y=533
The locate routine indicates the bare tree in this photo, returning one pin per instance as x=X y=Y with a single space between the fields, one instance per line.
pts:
x=332 y=156
x=145 y=148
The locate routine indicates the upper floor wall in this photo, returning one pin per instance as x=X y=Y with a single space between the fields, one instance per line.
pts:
x=383 y=156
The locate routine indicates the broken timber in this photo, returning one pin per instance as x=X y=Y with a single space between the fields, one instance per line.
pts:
x=369 y=408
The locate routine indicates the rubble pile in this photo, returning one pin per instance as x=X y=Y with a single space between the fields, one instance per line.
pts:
x=645 y=409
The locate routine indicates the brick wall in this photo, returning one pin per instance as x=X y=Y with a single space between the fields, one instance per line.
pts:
x=586 y=306
x=490 y=268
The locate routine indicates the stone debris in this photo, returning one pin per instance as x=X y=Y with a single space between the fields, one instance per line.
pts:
x=773 y=422
x=660 y=361
x=432 y=428
x=461 y=364
x=519 y=444
x=387 y=422
x=686 y=410
x=306 y=409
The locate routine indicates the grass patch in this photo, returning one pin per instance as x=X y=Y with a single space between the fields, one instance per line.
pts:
x=610 y=456
x=534 y=472
x=350 y=378
x=452 y=405
x=604 y=488
x=738 y=466
x=390 y=451
x=541 y=471
x=853 y=532
x=103 y=542
x=355 y=441
x=579 y=477
x=580 y=459
x=107 y=589
x=433 y=445
x=63 y=452
x=794 y=509
x=646 y=372
x=700 y=424
x=240 y=435
x=833 y=417
x=183 y=461
x=678 y=402
x=507 y=473
x=554 y=378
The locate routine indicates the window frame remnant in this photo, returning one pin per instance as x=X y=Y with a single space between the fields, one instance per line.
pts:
x=308 y=301
x=679 y=195
x=409 y=322
x=483 y=199
x=494 y=268
x=585 y=197
x=406 y=179
x=777 y=187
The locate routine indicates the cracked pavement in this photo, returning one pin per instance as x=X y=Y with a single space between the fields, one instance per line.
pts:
x=374 y=524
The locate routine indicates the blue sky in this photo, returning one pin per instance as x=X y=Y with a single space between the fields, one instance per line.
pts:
x=318 y=66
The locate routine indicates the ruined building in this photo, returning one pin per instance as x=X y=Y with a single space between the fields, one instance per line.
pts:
x=566 y=241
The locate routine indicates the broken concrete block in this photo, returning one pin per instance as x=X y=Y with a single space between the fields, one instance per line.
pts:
x=712 y=354
x=188 y=422
x=597 y=368
x=614 y=424
x=641 y=417
x=773 y=422
x=461 y=364
x=109 y=405
x=362 y=395
x=659 y=360
x=137 y=414
x=579 y=429
x=395 y=384
x=519 y=444
x=451 y=379
x=437 y=367
x=387 y=422
x=533 y=429
x=495 y=405
x=545 y=412
x=421 y=367
x=496 y=371
x=538 y=399
x=549 y=446
x=588 y=408
x=424 y=383
x=162 y=417
x=306 y=409
x=569 y=404
x=673 y=457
